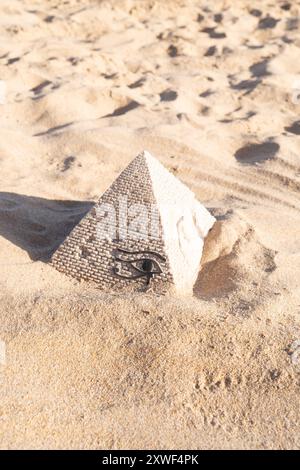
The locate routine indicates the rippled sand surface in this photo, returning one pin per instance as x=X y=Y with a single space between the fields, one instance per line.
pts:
x=212 y=89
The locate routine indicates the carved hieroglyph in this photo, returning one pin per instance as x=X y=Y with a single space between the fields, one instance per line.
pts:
x=146 y=231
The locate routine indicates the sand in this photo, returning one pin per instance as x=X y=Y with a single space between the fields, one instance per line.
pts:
x=211 y=89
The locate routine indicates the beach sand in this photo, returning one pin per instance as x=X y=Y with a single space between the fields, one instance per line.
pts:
x=211 y=89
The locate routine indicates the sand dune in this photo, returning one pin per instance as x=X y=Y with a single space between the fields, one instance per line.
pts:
x=211 y=89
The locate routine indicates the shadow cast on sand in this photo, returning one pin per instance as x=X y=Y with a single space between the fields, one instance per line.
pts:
x=38 y=225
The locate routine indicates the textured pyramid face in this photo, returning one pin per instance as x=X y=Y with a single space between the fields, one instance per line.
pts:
x=146 y=231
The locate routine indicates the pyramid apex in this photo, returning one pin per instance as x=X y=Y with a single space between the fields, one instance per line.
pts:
x=146 y=154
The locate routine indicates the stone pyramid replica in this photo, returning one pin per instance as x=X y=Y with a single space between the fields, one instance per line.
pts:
x=145 y=232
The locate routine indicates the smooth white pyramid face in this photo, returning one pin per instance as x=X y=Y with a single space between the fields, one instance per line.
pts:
x=146 y=230
x=185 y=224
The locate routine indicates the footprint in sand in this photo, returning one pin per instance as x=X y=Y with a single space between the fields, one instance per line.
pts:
x=254 y=153
x=168 y=95
x=172 y=51
x=293 y=128
x=267 y=23
x=68 y=163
